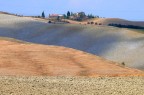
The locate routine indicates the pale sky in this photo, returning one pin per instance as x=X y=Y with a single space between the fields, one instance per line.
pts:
x=126 y=9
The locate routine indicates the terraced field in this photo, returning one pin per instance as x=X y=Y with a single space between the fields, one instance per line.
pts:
x=119 y=45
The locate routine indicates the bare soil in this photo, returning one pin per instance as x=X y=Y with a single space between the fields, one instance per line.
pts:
x=27 y=59
x=71 y=86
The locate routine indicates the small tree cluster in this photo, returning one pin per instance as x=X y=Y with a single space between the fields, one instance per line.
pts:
x=126 y=26
x=90 y=16
x=94 y=23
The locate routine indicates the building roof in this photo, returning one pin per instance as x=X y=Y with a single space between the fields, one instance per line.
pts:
x=55 y=15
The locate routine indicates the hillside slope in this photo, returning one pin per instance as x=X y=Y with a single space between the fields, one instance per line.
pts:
x=21 y=59
x=119 y=45
x=106 y=21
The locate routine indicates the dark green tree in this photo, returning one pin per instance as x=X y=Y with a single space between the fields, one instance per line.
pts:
x=68 y=15
x=90 y=16
x=43 y=14
x=58 y=18
x=64 y=16
x=71 y=14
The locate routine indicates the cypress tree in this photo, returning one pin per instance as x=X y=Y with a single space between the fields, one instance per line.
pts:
x=43 y=14
x=68 y=15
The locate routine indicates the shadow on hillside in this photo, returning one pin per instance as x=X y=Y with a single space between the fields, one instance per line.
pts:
x=69 y=36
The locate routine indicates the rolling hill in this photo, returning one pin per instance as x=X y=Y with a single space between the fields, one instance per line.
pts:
x=119 y=45
x=18 y=58
x=106 y=21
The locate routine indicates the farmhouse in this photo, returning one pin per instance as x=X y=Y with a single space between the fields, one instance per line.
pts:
x=55 y=16
x=78 y=16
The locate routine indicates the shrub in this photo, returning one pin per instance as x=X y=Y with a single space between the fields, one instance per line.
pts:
x=49 y=22
x=100 y=23
x=123 y=63
x=88 y=22
x=92 y=22
x=126 y=26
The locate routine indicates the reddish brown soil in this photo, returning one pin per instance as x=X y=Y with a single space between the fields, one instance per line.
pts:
x=33 y=60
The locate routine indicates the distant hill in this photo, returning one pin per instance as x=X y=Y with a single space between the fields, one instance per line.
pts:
x=106 y=21
x=103 y=21
x=1 y=12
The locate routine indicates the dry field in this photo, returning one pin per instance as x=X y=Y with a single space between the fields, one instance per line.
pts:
x=25 y=67
x=71 y=86
x=19 y=58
